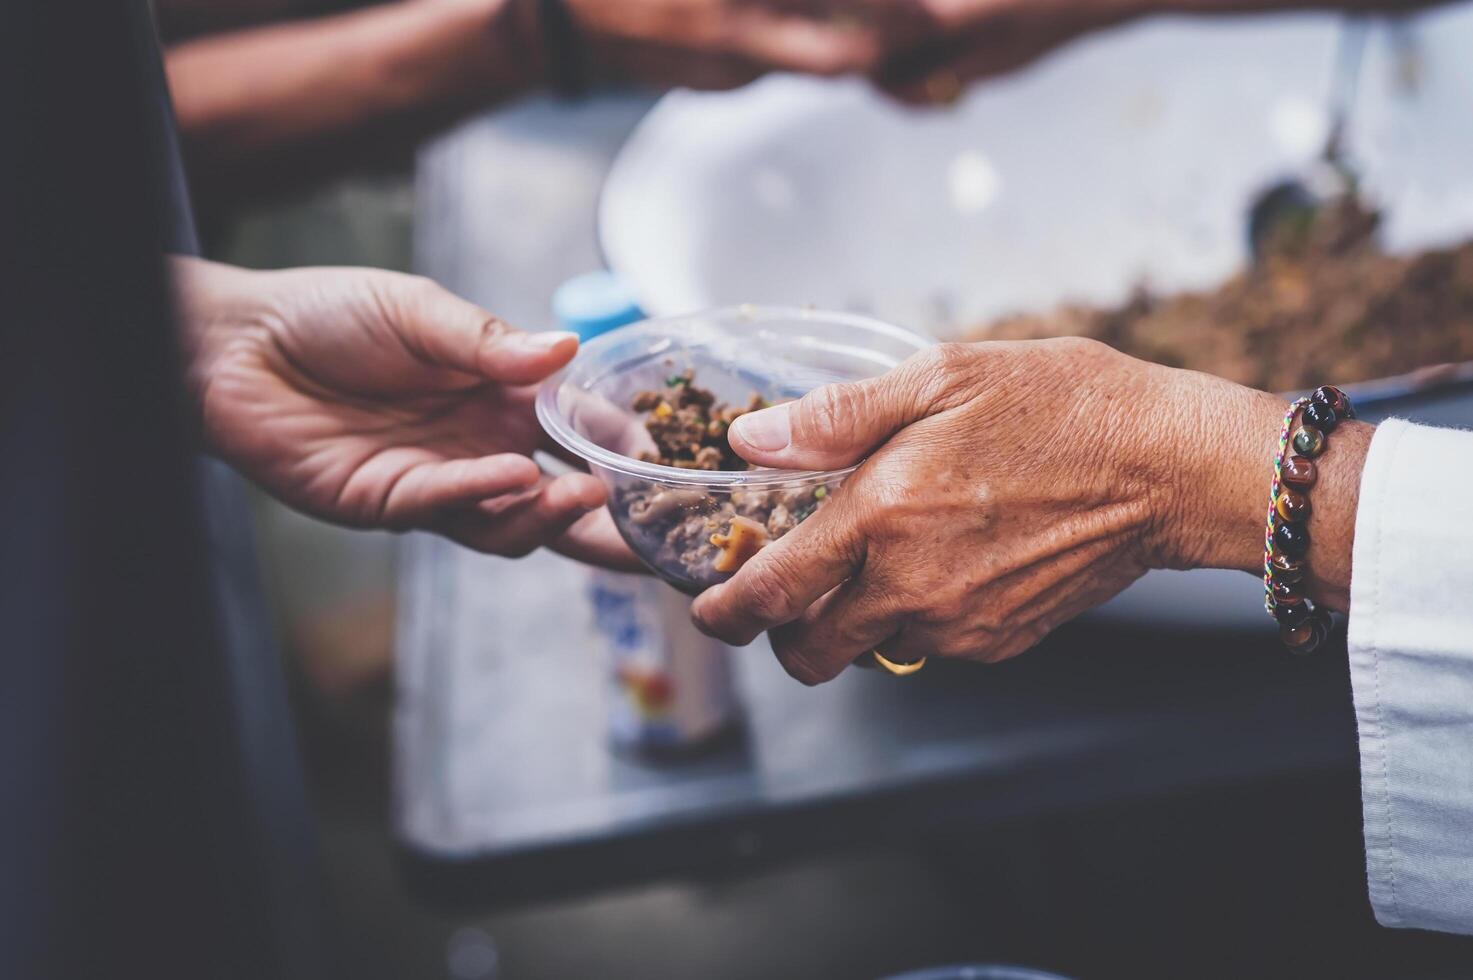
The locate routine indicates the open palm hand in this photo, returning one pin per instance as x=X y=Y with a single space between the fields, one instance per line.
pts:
x=374 y=399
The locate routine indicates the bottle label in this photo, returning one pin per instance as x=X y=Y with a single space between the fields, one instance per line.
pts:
x=669 y=684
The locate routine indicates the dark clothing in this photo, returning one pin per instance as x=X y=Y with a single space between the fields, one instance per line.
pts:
x=152 y=820
x=172 y=187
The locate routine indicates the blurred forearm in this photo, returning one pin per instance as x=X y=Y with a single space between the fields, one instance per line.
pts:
x=262 y=102
x=1261 y=6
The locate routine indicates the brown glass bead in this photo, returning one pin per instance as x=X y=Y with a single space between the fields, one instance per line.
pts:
x=1297 y=637
x=1309 y=441
x=1298 y=472
x=1335 y=400
x=1316 y=640
x=1308 y=636
x=1293 y=613
x=1320 y=416
x=1291 y=539
x=1285 y=569
x=1286 y=594
x=1292 y=505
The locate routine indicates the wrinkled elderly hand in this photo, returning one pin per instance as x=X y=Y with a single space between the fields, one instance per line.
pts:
x=725 y=43
x=380 y=400
x=1011 y=487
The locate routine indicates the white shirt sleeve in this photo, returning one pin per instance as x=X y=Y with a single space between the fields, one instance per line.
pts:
x=1411 y=670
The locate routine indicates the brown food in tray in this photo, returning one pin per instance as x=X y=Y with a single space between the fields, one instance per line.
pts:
x=1326 y=303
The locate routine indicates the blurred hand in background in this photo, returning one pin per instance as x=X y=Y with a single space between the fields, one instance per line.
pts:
x=276 y=93
x=724 y=43
x=379 y=400
x=305 y=93
x=969 y=40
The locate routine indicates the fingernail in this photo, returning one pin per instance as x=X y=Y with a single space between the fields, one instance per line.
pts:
x=542 y=342
x=768 y=430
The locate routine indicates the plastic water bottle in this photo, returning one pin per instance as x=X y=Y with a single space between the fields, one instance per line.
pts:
x=671 y=688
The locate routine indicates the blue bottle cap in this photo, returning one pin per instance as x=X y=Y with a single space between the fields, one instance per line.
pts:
x=594 y=303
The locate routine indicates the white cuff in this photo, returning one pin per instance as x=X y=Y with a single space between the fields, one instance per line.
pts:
x=1411 y=672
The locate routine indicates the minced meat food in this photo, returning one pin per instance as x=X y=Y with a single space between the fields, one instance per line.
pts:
x=694 y=535
x=689 y=428
x=1324 y=304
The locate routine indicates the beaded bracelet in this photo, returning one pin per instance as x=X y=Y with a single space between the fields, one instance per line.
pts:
x=1302 y=627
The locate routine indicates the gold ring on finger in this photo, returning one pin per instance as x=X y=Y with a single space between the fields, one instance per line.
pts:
x=898 y=670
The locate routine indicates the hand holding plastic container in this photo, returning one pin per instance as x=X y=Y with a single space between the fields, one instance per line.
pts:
x=677 y=520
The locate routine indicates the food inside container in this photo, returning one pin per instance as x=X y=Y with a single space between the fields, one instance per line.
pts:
x=648 y=407
x=1325 y=301
x=701 y=533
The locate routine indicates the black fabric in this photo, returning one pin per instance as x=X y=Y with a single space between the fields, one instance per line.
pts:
x=281 y=845
x=166 y=164
x=140 y=815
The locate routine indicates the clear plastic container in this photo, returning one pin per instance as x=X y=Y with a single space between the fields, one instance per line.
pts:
x=669 y=515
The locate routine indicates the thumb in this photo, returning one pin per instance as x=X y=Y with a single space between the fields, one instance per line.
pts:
x=446 y=331
x=830 y=427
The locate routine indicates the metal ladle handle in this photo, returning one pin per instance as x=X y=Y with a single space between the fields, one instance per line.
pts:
x=1345 y=83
